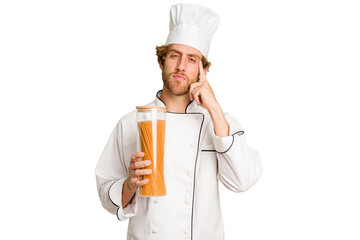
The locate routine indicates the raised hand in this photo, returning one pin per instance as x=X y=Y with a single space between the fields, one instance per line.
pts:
x=204 y=96
x=202 y=92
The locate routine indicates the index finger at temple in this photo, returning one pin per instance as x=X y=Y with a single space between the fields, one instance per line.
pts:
x=201 y=71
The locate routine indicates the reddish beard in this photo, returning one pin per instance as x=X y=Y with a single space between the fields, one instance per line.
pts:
x=174 y=86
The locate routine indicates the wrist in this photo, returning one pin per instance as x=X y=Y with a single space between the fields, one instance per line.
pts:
x=221 y=126
x=215 y=111
x=127 y=186
x=127 y=194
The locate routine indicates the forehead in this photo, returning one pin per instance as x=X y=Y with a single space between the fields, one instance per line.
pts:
x=184 y=49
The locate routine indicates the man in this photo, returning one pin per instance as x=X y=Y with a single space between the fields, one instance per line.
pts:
x=202 y=145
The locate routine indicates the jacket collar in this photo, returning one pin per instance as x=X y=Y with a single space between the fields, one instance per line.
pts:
x=192 y=107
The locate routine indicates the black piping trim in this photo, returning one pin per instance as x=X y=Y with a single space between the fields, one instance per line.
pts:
x=159 y=98
x=118 y=207
x=117 y=214
x=196 y=159
x=165 y=104
x=188 y=105
x=233 y=138
x=109 y=194
x=238 y=132
x=197 y=155
x=193 y=200
x=186 y=113
x=213 y=150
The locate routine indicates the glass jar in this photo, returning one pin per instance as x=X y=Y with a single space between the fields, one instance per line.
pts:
x=151 y=141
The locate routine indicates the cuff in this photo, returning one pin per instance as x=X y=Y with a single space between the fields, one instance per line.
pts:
x=222 y=144
x=115 y=196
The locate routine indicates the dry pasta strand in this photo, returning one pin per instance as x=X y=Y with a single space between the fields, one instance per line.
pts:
x=156 y=184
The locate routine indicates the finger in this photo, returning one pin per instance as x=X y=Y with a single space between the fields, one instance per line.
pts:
x=192 y=87
x=139 y=164
x=136 y=156
x=202 y=75
x=194 y=91
x=195 y=85
x=197 y=96
x=142 y=172
x=142 y=183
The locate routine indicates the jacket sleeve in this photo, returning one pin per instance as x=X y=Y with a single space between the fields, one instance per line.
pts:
x=239 y=166
x=111 y=172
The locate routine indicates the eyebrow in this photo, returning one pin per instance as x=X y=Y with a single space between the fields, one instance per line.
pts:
x=190 y=55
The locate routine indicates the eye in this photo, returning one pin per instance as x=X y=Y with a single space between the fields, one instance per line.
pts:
x=174 y=55
x=192 y=60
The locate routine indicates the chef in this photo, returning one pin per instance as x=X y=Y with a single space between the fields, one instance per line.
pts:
x=202 y=145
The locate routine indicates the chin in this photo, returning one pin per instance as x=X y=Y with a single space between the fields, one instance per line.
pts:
x=177 y=90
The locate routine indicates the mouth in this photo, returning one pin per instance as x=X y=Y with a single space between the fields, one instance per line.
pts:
x=178 y=77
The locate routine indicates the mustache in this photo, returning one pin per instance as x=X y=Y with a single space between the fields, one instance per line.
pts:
x=180 y=74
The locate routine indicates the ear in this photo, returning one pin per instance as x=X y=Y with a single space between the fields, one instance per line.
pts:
x=206 y=70
x=161 y=66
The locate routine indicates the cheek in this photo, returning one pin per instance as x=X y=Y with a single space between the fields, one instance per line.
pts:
x=168 y=66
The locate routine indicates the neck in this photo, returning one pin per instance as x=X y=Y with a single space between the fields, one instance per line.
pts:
x=174 y=103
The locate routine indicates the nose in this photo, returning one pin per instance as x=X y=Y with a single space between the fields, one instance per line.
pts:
x=180 y=67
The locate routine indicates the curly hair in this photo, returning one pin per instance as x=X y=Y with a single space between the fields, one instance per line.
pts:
x=161 y=52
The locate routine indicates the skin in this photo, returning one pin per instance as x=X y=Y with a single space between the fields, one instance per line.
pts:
x=184 y=80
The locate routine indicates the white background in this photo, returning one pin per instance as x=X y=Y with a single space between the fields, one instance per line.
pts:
x=287 y=70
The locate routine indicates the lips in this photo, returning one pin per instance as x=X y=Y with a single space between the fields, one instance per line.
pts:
x=178 y=77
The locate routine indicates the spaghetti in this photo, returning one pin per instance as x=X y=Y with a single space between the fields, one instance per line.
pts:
x=152 y=140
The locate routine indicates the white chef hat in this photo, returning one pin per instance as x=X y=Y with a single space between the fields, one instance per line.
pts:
x=192 y=25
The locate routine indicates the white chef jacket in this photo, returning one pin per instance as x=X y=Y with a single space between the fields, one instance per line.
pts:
x=195 y=159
